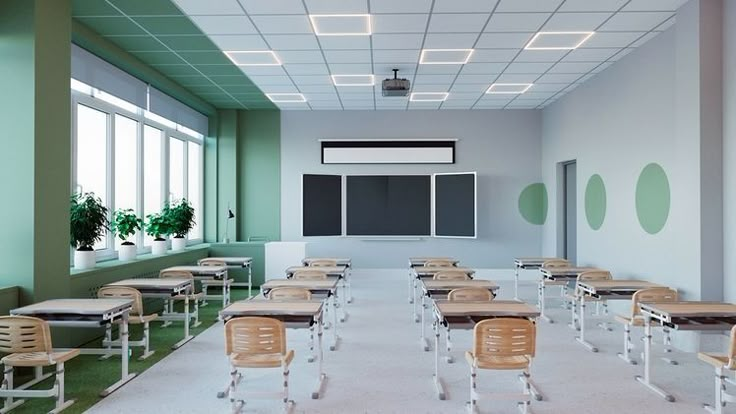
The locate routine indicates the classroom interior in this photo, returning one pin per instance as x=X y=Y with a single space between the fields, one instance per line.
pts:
x=368 y=206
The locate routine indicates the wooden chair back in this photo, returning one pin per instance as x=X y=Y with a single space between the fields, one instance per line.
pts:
x=22 y=334
x=595 y=275
x=504 y=337
x=470 y=294
x=556 y=263
x=124 y=292
x=652 y=295
x=323 y=263
x=439 y=263
x=176 y=274
x=732 y=350
x=451 y=275
x=289 y=293
x=255 y=335
x=310 y=275
x=208 y=261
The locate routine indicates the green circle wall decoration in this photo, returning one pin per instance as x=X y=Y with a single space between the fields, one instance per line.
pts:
x=652 y=198
x=533 y=203
x=595 y=201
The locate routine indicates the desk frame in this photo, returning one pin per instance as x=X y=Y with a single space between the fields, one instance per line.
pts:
x=242 y=262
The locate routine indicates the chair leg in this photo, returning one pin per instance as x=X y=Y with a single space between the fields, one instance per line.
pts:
x=667 y=342
x=108 y=341
x=168 y=309
x=311 y=357
x=628 y=345
x=59 y=385
x=286 y=389
x=524 y=405
x=720 y=384
x=204 y=297
x=197 y=322
x=448 y=357
x=235 y=404
x=472 y=404
x=146 y=342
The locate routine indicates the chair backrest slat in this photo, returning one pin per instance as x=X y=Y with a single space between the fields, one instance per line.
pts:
x=470 y=294
x=21 y=334
x=451 y=275
x=314 y=274
x=556 y=263
x=505 y=337
x=212 y=262
x=595 y=275
x=175 y=274
x=255 y=335
x=439 y=263
x=124 y=292
x=323 y=263
x=289 y=293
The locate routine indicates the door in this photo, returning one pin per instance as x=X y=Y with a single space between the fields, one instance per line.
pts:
x=570 y=211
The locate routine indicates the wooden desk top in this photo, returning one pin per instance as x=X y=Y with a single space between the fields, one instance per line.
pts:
x=75 y=307
x=335 y=270
x=691 y=309
x=341 y=261
x=153 y=283
x=307 y=284
x=556 y=271
x=493 y=308
x=617 y=284
x=240 y=261
x=454 y=284
x=420 y=260
x=272 y=307
x=530 y=261
x=199 y=270
x=432 y=270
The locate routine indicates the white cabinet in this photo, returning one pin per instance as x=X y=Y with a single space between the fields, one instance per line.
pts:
x=281 y=255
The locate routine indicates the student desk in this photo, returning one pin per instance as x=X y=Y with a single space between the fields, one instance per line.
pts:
x=527 y=263
x=683 y=316
x=296 y=314
x=464 y=315
x=565 y=274
x=327 y=288
x=86 y=313
x=243 y=262
x=340 y=261
x=166 y=289
x=340 y=272
x=438 y=289
x=421 y=272
x=208 y=275
x=615 y=289
x=420 y=261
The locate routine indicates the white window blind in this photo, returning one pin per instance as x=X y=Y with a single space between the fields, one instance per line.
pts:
x=164 y=105
x=102 y=75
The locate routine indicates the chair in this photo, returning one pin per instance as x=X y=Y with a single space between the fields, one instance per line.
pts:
x=552 y=263
x=194 y=296
x=573 y=297
x=28 y=341
x=323 y=263
x=721 y=363
x=467 y=294
x=651 y=295
x=257 y=342
x=289 y=293
x=212 y=282
x=502 y=344
x=451 y=275
x=136 y=317
x=439 y=263
x=310 y=275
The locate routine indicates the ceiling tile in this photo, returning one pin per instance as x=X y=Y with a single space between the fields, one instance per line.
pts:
x=168 y=25
x=611 y=39
x=350 y=68
x=647 y=37
x=283 y=24
x=516 y=22
x=459 y=96
x=547 y=87
x=483 y=68
x=205 y=58
x=457 y=23
x=565 y=22
x=590 y=6
x=348 y=56
x=602 y=67
x=493 y=55
x=464 y=6
x=145 y=7
x=112 y=25
x=403 y=6
x=395 y=56
x=621 y=53
x=254 y=7
x=650 y=5
x=397 y=41
x=476 y=79
x=504 y=40
x=300 y=56
x=306 y=69
x=528 y=5
x=138 y=43
x=93 y=8
x=336 y=6
x=529 y=67
x=188 y=42
x=433 y=79
x=573 y=67
x=430 y=88
x=400 y=23
x=263 y=70
x=541 y=55
x=292 y=42
x=450 y=40
x=470 y=87
x=386 y=71
x=345 y=42
x=438 y=69
x=224 y=25
x=516 y=78
x=317 y=88
x=635 y=21
x=240 y=42
x=209 y=7
x=304 y=80
x=558 y=78
x=589 y=55
x=331 y=97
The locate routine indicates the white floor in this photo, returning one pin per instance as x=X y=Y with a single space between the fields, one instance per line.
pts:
x=380 y=368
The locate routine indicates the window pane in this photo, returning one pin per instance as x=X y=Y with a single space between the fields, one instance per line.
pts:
x=176 y=169
x=126 y=166
x=92 y=154
x=195 y=187
x=152 y=200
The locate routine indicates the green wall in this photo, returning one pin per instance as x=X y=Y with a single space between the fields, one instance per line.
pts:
x=256 y=250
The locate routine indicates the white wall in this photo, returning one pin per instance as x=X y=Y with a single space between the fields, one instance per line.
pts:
x=729 y=149
x=502 y=146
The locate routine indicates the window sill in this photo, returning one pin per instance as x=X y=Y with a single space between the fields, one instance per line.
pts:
x=142 y=260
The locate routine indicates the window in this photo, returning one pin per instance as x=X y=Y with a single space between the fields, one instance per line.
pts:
x=133 y=159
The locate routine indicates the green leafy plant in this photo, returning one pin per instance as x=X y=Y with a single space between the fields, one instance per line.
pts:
x=158 y=224
x=125 y=224
x=88 y=221
x=181 y=217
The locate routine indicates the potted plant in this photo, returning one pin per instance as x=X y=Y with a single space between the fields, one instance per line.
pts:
x=181 y=218
x=89 y=222
x=157 y=226
x=125 y=225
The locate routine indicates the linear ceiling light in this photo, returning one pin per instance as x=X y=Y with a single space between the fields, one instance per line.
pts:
x=558 y=40
x=428 y=96
x=509 y=88
x=353 y=80
x=253 y=57
x=286 y=97
x=445 y=56
x=341 y=24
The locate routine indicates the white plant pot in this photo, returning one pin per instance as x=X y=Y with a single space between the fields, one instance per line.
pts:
x=84 y=259
x=178 y=243
x=158 y=247
x=127 y=252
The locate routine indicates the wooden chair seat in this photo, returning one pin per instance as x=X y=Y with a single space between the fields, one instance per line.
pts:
x=275 y=360
x=717 y=360
x=498 y=362
x=637 y=321
x=38 y=359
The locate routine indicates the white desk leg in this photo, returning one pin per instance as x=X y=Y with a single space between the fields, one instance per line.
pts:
x=335 y=336
x=540 y=295
x=225 y=293
x=321 y=377
x=250 y=280
x=411 y=282
x=516 y=283
x=581 y=338
x=125 y=355
x=422 y=339
x=574 y=322
x=438 y=385
x=626 y=355
x=646 y=379
x=343 y=306
x=414 y=301
x=187 y=336
x=349 y=274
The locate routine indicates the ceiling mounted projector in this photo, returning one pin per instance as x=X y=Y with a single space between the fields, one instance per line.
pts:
x=395 y=86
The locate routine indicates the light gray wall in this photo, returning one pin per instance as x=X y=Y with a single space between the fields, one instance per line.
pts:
x=729 y=149
x=502 y=146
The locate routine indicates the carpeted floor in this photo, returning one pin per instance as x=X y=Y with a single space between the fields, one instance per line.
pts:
x=380 y=368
